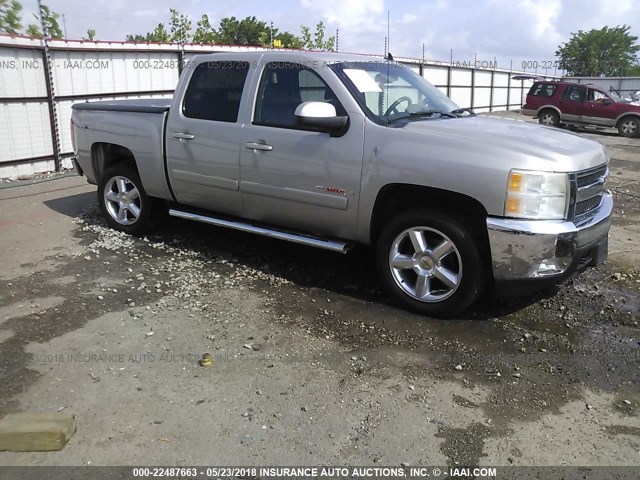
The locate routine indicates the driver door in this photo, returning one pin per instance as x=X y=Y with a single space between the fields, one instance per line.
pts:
x=292 y=176
x=599 y=109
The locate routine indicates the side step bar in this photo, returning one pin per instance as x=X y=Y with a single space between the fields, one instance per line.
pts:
x=333 y=245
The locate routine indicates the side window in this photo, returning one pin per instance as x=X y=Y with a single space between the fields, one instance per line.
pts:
x=283 y=87
x=215 y=90
x=595 y=96
x=575 y=93
x=543 y=90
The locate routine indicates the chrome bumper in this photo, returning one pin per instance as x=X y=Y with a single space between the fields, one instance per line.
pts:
x=529 y=112
x=528 y=249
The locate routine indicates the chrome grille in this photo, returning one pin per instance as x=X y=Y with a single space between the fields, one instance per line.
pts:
x=587 y=205
x=589 y=188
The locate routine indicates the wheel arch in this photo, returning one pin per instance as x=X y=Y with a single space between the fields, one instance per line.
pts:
x=394 y=197
x=104 y=155
x=624 y=115
x=548 y=107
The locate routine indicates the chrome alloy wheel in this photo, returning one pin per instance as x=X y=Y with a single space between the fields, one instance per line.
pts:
x=548 y=119
x=629 y=127
x=122 y=199
x=425 y=264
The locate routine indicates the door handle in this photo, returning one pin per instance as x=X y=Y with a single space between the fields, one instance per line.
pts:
x=183 y=136
x=258 y=146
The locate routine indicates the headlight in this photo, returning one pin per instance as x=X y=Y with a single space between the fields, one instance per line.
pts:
x=537 y=195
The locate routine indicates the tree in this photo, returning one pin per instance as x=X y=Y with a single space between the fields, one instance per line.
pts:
x=205 y=33
x=10 y=16
x=286 y=40
x=91 y=34
x=316 y=40
x=249 y=31
x=159 y=34
x=50 y=20
x=607 y=51
x=180 y=26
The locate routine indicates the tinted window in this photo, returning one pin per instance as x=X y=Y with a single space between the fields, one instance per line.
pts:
x=574 y=93
x=283 y=87
x=543 y=90
x=215 y=90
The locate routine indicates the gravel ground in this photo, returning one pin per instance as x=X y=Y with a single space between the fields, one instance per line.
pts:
x=312 y=362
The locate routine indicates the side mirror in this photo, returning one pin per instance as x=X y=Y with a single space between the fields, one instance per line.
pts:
x=607 y=101
x=319 y=115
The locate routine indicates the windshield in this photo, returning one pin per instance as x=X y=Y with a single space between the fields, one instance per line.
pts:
x=615 y=96
x=388 y=91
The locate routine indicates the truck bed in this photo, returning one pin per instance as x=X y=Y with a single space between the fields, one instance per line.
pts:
x=141 y=105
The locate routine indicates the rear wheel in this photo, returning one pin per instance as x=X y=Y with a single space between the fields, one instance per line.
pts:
x=431 y=263
x=123 y=201
x=629 y=127
x=549 y=118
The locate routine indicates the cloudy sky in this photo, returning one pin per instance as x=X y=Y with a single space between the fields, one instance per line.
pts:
x=505 y=29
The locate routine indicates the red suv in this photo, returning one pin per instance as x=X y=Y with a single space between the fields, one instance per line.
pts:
x=579 y=104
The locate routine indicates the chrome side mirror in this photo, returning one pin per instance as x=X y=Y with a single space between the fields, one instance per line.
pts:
x=319 y=115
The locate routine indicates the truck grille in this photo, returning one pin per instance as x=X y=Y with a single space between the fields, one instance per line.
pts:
x=589 y=189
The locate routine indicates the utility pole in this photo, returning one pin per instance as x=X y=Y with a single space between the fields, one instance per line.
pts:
x=64 y=25
x=337 y=39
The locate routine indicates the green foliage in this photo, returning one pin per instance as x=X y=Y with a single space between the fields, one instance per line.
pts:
x=607 y=51
x=316 y=40
x=10 y=19
x=232 y=31
x=180 y=26
x=34 y=31
x=91 y=34
x=50 y=20
x=205 y=33
x=159 y=34
x=286 y=40
x=248 y=31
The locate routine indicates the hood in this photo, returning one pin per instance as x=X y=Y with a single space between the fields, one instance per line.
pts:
x=537 y=147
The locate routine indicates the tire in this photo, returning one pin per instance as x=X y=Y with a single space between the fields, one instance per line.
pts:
x=549 y=118
x=131 y=211
x=441 y=277
x=629 y=127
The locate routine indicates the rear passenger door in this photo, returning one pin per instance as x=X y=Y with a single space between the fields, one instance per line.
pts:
x=203 y=135
x=571 y=103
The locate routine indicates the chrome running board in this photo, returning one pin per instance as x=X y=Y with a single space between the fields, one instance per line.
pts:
x=333 y=245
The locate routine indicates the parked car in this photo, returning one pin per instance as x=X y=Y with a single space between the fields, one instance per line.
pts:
x=332 y=150
x=579 y=104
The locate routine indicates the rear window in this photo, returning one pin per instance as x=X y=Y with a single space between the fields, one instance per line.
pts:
x=215 y=90
x=543 y=89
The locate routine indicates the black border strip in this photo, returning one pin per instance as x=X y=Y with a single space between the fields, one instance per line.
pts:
x=42 y=158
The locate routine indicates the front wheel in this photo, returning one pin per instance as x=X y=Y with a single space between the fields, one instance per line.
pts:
x=629 y=127
x=123 y=201
x=431 y=263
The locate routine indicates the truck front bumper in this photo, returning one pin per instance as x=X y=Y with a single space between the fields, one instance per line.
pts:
x=547 y=252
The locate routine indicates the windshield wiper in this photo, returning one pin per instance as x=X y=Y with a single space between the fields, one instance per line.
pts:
x=462 y=110
x=426 y=113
